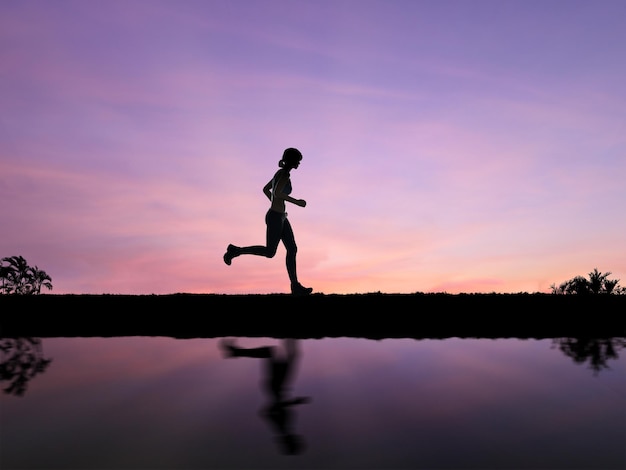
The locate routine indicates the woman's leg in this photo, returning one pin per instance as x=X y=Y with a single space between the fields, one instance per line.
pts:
x=232 y=350
x=274 y=225
x=289 y=240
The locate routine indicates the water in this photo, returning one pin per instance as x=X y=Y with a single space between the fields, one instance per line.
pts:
x=163 y=403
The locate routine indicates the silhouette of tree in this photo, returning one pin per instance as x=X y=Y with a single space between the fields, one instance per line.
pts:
x=39 y=279
x=595 y=351
x=21 y=359
x=611 y=286
x=598 y=283
x=17 y=277
x=597 y=280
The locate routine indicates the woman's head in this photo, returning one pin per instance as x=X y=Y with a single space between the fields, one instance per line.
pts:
x=291 y=158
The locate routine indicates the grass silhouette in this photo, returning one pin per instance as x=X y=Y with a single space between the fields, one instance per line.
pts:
x=370 y=315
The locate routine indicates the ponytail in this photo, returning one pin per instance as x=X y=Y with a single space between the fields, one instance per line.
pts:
x=290 y=157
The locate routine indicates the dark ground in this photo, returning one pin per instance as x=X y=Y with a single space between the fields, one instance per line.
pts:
x=372 y=316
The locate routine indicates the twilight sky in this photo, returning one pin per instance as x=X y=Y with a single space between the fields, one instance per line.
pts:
x=449 y=146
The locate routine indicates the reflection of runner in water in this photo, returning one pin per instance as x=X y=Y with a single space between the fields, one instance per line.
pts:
x=280 y=369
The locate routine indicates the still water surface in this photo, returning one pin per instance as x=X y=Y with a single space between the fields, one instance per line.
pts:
x=163 y=403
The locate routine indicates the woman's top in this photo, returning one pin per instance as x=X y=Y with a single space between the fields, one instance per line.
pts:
x=287 y=188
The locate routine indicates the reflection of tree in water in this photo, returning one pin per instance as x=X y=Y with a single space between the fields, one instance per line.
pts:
x=596 y=351
x=21 y=359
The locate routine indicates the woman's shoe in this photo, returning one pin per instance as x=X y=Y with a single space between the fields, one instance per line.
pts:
x=228 y=347
x=231 y=252
x=299 y=289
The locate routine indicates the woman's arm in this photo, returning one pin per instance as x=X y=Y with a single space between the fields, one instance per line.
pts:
x=267 y=189
x=279 y=194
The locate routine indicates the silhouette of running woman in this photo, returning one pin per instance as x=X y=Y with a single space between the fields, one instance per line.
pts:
x=280 y=368
x=278 y=190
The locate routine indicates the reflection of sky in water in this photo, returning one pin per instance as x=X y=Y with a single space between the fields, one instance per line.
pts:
x=165 y=403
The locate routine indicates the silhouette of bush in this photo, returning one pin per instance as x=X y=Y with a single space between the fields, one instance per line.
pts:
x=17 y=277
x=598 y=283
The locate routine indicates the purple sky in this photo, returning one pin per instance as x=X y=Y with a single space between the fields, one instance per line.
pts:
x=457 y=146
